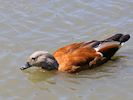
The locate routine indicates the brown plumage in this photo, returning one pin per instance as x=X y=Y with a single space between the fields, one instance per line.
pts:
x=78 y=56
x=73 y=57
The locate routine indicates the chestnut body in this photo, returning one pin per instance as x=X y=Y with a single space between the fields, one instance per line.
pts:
x=78 y=56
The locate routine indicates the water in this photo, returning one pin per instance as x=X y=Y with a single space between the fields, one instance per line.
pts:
x=30 y=25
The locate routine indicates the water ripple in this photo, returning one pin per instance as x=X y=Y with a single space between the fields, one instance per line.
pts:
x=27 y=26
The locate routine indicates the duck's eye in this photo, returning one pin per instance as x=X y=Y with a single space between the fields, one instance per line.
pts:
x=33 y=58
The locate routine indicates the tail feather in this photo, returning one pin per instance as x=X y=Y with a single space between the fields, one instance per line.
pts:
x=118 y=37
x=124 y=38
x=115 y=37
x=109 y=46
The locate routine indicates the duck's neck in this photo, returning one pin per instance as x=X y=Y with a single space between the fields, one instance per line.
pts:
x=55 y=64
x=51 y=64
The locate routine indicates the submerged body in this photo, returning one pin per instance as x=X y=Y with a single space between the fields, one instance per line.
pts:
x=78 y=56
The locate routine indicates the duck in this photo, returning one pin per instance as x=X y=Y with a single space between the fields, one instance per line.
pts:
x=79 y=56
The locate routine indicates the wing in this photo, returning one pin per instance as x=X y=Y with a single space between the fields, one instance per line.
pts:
x=72 y=47
x=71 y=58
x=67 y=49
x=108 y=49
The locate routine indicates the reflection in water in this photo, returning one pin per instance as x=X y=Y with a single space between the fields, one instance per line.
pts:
x=30 y=25
x=39 y=75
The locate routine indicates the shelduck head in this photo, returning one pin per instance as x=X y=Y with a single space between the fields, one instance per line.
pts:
x=41 y=59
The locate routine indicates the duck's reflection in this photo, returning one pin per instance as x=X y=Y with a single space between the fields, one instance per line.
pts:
x=39 y=75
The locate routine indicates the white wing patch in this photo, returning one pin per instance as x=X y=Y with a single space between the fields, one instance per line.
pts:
x=100 y=54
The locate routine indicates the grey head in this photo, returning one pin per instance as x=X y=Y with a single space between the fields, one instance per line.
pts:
x=41 y=59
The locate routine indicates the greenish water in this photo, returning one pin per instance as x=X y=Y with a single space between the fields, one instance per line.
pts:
x=30 y=25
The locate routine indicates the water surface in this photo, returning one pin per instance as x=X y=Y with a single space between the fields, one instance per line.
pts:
x=30 y=25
